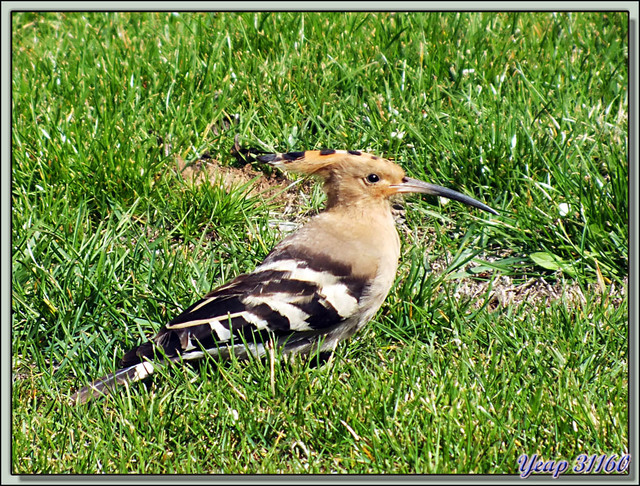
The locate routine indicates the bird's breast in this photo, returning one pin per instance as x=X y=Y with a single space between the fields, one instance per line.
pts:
x=368 y=245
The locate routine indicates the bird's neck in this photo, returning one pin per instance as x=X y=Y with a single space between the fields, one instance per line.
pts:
x=376 y=207
x=367 y=227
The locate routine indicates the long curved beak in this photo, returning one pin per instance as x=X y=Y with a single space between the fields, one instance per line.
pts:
x=415 y=185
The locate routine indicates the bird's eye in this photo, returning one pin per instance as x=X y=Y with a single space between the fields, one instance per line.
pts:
x=373 y=178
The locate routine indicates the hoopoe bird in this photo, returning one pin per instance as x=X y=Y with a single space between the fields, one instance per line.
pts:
x=317 y=287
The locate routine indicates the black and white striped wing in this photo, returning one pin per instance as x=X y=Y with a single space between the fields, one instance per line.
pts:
x=290 y=298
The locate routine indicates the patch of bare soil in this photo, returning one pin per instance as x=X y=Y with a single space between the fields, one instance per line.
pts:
x=504 y=291
x=274 y=187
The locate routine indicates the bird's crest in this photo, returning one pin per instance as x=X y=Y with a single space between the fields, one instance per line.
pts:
x=315 y=162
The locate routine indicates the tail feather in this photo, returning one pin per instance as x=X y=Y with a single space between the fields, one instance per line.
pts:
x=106 y=384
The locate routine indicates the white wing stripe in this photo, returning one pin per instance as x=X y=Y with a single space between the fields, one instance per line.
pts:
x=223 y=333
x=339 y=298
x=321 y=279
x=251 y=318
x=280 y=304
x=208 y=320
x=203 y=303
x=143 y=370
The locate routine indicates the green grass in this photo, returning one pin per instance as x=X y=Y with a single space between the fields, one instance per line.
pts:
x=464 y=369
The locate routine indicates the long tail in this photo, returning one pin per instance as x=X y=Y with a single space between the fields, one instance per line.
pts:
x=106 y=384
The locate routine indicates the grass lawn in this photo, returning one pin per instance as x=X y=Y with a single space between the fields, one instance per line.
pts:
x=502 y=336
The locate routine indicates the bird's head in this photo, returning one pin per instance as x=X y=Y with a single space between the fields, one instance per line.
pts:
x=356 y=177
